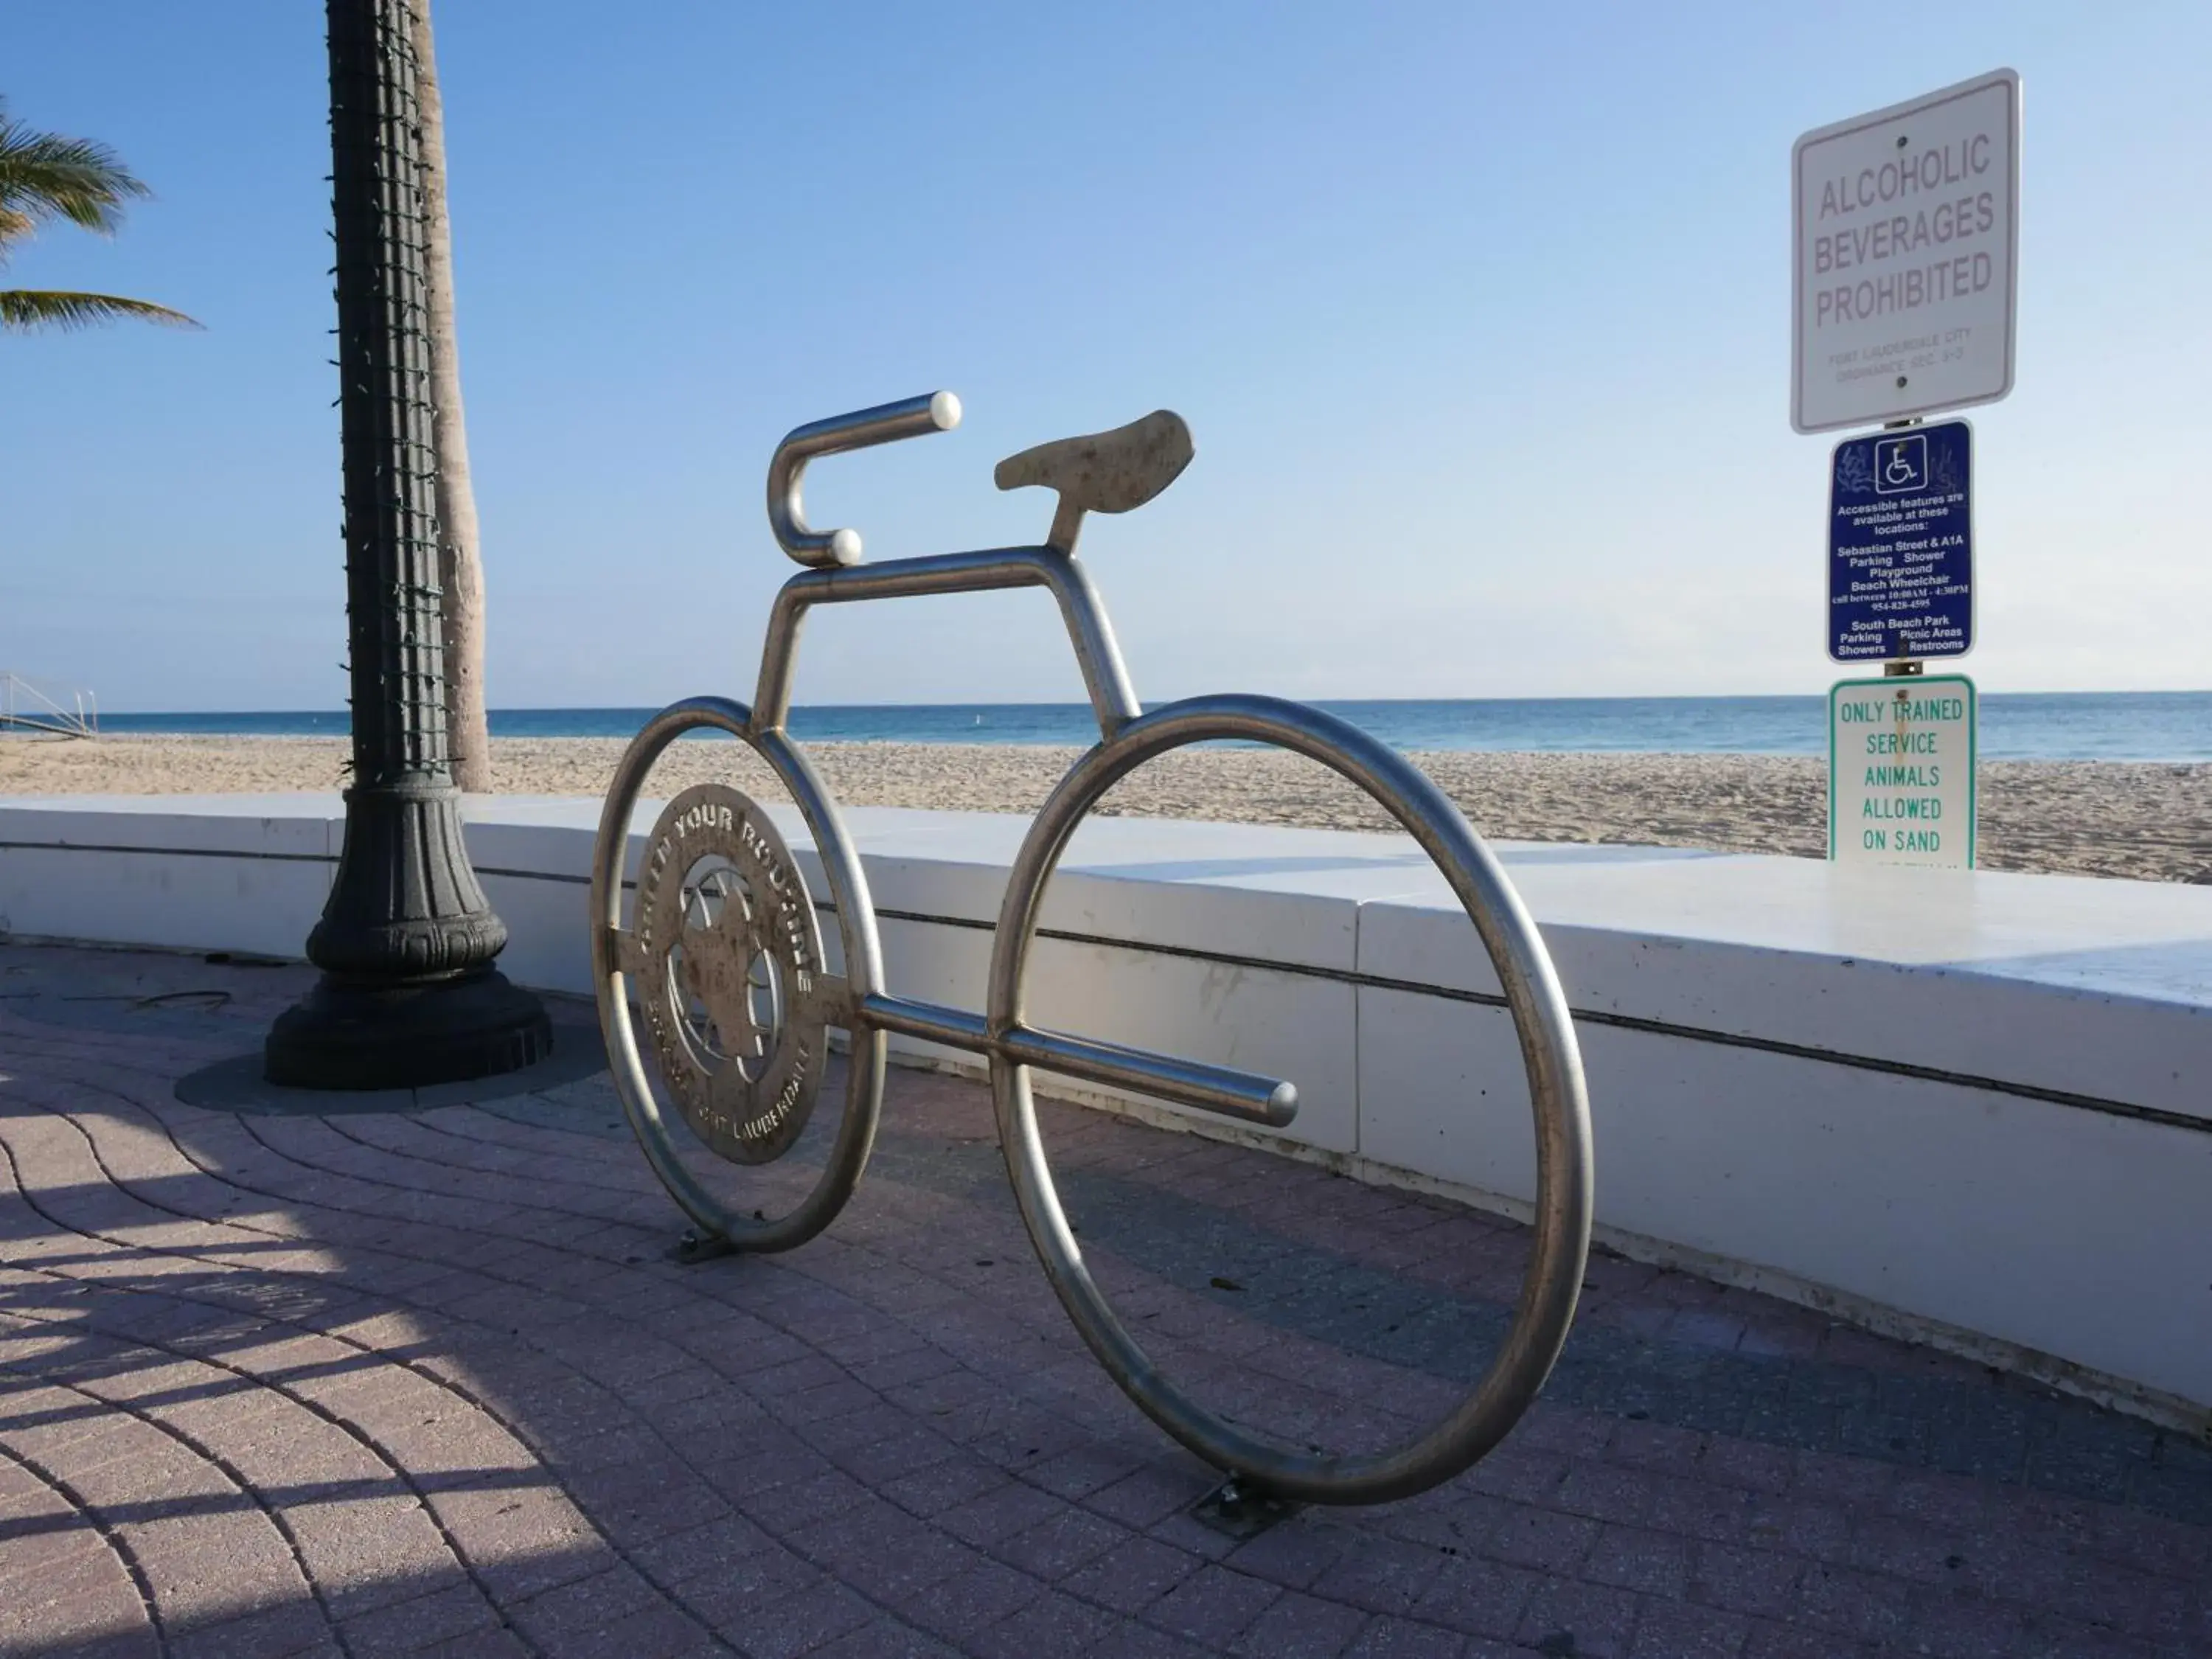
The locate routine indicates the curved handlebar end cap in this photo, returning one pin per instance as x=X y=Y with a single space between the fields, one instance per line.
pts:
x=944 y=411
x=844 y=547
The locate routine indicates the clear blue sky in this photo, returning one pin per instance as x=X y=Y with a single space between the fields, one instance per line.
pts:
x=1480 y=315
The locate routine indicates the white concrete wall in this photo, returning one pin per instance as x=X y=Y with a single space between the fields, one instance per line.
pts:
x=1838 y=1100
x=107 y=869
x=2071 y=1232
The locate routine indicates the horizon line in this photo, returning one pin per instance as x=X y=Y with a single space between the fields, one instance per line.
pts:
x=1662 y=696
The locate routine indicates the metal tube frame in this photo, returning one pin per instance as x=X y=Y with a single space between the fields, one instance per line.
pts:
x=1113 y=699
x=1002 y=1035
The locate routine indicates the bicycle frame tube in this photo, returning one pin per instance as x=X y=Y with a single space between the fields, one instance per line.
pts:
x=1105 y=472
x=1104 y=676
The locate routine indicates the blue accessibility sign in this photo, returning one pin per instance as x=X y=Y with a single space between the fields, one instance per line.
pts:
x=1901 y=544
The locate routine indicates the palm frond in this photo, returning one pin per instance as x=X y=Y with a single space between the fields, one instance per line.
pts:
x=32 y=308
x=45 y=176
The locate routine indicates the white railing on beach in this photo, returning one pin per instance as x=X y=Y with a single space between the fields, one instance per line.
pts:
x=24 y=708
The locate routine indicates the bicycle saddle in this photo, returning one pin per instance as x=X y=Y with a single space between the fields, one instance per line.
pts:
x=1105 y=472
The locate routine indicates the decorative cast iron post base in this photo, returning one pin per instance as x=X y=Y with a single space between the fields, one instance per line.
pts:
x=409 y=996
x=363 y=1035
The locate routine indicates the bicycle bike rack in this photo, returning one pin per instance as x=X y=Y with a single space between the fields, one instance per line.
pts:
x=725 y=959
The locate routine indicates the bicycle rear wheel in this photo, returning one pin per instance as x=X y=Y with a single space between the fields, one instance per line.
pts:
x=1549 y=1054
x=750 y=867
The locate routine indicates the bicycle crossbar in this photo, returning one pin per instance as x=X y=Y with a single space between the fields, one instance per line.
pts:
x=1113 y=699
x=1218 y=1089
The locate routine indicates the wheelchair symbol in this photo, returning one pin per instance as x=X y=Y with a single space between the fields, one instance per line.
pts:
x=1900 y=464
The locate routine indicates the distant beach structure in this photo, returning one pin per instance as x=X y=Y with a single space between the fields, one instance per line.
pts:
x=25 y=710
x=2134 y=726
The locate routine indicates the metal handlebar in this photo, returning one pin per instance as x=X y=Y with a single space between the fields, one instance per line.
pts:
x=910 y=417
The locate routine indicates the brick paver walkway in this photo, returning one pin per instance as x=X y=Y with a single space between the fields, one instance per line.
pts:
x=384 y=1383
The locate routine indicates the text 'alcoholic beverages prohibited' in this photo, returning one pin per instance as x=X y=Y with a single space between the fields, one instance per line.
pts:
x=1907 y=252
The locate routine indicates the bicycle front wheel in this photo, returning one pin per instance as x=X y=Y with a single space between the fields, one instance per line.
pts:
x=1561 y=1223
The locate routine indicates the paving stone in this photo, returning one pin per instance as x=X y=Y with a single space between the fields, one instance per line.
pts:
x=1299 y=1627
x=1133 y=1574
x=1676 y=1629
x=712 y=1546
x=942 y=1487
x=657 y=1631
x=1543 y=1539
x=1131 y=1640
x=805 y=1621
x=1054 y=1624
x=1212 y=1606
x=442 y=1614
x=1294 y=1554
x=1479 y=1598
x=444 y=1349
x=276 y=1632
x=723 y=1596
x=1062 y=1544
x=1599 y=1619
x=971 y=1601
x=1386 y=1637
x=882 y=1550
x=1382 y=1575
x=886 y=1638
x=1151 y=1494
x=1007 y=1508
x=1744 y=1580
x=1605 y=1492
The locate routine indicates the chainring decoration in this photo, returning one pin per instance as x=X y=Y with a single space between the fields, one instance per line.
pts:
x=731 y=961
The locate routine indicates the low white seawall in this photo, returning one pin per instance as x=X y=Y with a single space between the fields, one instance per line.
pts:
x=1976 y=1107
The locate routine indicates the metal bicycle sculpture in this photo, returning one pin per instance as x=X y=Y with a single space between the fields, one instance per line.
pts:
x=724 y=957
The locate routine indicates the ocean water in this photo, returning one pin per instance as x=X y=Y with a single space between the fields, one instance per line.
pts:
x=2151 y=726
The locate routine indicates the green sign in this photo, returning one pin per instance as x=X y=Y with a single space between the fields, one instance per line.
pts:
x=1901 y=771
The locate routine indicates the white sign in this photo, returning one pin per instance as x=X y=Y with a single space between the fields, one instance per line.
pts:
x=1907 y=258
x=1901 y=771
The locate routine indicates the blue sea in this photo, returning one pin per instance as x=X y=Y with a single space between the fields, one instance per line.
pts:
x=2148 y=726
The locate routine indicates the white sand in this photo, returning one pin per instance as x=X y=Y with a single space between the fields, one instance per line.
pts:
x=2150 y=820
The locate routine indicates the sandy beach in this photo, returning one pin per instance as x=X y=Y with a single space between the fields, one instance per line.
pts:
x=2148 y=821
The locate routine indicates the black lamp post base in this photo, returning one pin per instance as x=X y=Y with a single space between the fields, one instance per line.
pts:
x=348 y=1034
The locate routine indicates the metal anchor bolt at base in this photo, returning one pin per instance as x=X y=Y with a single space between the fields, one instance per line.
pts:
x=693 y=1248
x=1239 y=1510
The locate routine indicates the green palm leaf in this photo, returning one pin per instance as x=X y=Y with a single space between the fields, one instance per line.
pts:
x=45 y=176
x=31 y=308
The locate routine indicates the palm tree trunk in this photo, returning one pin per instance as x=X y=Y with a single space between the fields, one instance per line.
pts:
x=460 y=560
